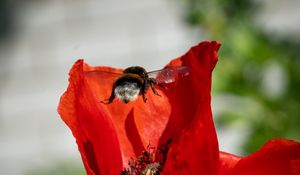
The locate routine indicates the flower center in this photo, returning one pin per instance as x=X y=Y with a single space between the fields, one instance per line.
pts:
x=150 y=162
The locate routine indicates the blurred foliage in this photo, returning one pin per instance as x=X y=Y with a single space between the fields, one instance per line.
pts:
x=58 y=168
x=254 y=66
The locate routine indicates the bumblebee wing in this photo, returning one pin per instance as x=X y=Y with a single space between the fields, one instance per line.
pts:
x=169 y=74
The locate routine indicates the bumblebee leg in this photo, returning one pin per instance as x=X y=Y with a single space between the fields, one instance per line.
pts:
x=144 y=90
x=154 y=90
x=152 y=81
x=144 y=97
x=111 y=98
x=108 y=101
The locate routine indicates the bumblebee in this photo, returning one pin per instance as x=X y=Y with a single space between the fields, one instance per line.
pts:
x=135 y=81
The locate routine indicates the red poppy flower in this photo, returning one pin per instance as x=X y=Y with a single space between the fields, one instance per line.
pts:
x=276 y=157
x=109 y=135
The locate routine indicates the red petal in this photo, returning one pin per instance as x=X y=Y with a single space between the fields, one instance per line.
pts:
x=137 y=123
x=95 y=135
x=108 y=135
x=115 y=132
x=227 y=163
x=277 y=157
x=195 y=146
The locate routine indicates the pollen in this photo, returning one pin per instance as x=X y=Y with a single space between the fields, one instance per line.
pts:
x=150 y=162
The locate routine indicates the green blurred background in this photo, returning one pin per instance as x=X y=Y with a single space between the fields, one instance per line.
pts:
x=258 y=70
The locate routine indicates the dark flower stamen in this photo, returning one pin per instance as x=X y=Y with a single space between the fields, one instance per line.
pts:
x=147 y=163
